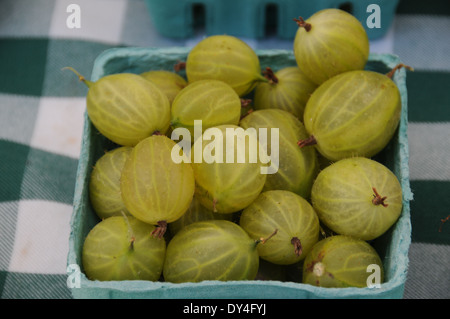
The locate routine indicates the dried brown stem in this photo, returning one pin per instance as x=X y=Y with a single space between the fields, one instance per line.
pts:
x=245 y=102
x=307 y=141
x=443 y=220
x=303 y=24
x=160 y=230
x=179 y=66
x=378 y=199
x=133 y=239
x=398 y=67
x=270 y=75
x=298 y=249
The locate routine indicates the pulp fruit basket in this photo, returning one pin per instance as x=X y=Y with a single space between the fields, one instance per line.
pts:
x=260 y=18
x=393 y=246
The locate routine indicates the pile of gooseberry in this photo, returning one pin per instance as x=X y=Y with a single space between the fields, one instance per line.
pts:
x=189 y=221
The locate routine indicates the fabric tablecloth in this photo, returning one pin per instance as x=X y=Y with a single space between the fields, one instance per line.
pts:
x=41 y=122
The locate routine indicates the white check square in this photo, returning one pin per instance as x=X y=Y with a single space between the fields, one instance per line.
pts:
x=41 y=237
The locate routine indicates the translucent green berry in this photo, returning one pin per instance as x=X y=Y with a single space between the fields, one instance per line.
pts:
x=330 y=42
x=359 y=197
x=211 y=250
x=122 y=248
x=342 y=261
x=104 y=185
x=295 y=220
x=225 y=58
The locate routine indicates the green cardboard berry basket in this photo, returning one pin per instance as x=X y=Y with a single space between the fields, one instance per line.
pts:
x=259 y=18
x=393 y=246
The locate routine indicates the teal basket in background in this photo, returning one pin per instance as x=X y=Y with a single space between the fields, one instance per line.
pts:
x=393 y=246
x=260 y=18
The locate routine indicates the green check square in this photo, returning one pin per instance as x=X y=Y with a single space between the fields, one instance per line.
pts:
x=428 y=96
x=22 y=65
x=13 y=163
x=34 y=286
x=429 y=207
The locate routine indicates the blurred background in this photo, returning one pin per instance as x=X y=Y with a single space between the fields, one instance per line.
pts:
x=42 y=112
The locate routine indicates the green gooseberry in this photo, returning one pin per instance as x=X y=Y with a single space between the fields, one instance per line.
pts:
x=295 y=220
x=225 y=58
x=355 y=113
x=122 y=248
x=342 y=261
x=126 y=108
x=358 y=197
x=104 y=183
x=330 y=42
x=211 y=250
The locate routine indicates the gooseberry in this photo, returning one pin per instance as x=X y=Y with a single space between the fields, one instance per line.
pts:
x=330 y=42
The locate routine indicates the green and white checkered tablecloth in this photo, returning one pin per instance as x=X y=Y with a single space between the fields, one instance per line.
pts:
x=41 y=121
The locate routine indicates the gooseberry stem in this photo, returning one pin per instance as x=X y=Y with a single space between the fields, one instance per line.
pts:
x=398 y=67
x=378 y=199
x=443 y=220
x=133 y=239
x=82 y=78
x=298 y=249
x=160 y=229
x=179 y=66
x=303 y=24
x=264 y=240
x=245 y=102
x=307 y=141
x=270 y=75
